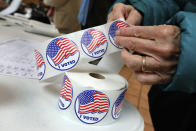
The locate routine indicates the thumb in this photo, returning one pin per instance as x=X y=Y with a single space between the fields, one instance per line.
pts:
x=134 y=18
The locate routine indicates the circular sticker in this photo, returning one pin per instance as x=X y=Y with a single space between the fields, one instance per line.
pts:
x=62 y=54
x=117 y=107
x=66 y=94
x=94 y=43
x=91 y=106
x=113 y=28
x=41 y=66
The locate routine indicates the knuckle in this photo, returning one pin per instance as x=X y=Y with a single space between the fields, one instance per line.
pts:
x=157 y=66
x=167 y=51
x=164 y=65
x=167 y=67
x=133 y=65
x=164 y=32
x=131 y=45
x=175 y=31
x=169 y=30
x=130 y=8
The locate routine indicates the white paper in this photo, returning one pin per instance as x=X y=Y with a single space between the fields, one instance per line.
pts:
x=11 y=8
x=18 y=59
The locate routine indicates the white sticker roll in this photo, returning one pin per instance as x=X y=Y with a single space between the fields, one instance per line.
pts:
x=92 y=98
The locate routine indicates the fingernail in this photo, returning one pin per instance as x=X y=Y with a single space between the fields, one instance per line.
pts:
x=117 y=32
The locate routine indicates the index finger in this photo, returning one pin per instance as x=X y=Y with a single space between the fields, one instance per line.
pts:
x=147 y=32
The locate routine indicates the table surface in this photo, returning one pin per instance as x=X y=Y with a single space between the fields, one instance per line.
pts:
x=27 y=104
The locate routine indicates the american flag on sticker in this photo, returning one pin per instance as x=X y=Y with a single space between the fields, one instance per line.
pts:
x=119 y=103
x=93 y=101
x=39 y=59
x=115 y=26
x=66 y=91
x=121 y=24
x=61 y=49
x=97 y=39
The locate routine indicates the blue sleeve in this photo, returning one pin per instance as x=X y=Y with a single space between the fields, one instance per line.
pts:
x=156 y=12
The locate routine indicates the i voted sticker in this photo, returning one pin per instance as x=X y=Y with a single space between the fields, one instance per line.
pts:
x=62 y=54
x=91 y=106
x=41 y=66
x=113 y=28
x=94 y=43
x=66 y=94
x=117 y=107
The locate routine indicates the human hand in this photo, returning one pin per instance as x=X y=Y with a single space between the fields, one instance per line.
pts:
x=128 y=12
x=156 y=48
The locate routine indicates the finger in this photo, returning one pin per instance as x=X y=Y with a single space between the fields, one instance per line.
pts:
x=117 y=12
x=152 y=79
x=131 y=60
x=134 y=17
x=135 y=62
x=139 y=45
x=148 y=47
x=150 y=32
x=110 y=17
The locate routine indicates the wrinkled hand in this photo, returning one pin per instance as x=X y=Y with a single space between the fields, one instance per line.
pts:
x=159 y=44
x=127 y=12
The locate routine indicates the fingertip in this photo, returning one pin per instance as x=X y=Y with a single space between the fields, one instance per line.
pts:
x=125 y=55
x=115 y=40
x=125 y=51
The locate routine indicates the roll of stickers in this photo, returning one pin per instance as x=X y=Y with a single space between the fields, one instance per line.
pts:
x=74 y=51
x=92 y=98
x=89 y=98
x=90 y=94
